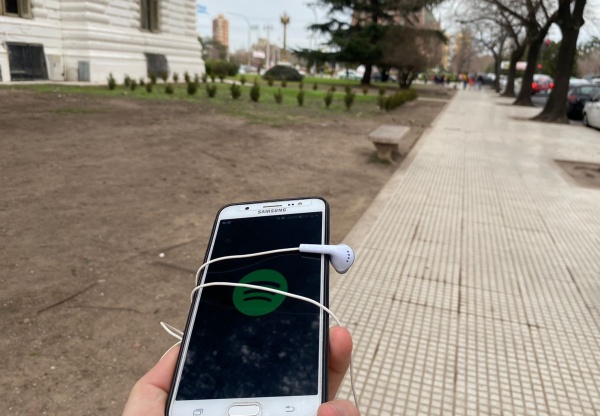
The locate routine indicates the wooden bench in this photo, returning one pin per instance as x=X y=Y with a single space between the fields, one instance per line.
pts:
x=386 y=139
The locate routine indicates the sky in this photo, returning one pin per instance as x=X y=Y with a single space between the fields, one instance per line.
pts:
x=261 y=13
x=268 y=12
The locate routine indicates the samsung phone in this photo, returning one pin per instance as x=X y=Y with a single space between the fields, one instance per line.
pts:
x=247 y=352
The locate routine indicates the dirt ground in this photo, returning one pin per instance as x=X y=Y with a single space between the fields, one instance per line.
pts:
x=95 y=189
x=584 y=174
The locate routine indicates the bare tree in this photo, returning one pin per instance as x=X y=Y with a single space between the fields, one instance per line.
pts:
x=536 y=16
x=495 y=26
x=570 y=19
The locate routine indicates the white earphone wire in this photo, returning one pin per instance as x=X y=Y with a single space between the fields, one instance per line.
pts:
x=179 y=334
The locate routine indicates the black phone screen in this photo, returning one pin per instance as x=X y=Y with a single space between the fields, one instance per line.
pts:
x=249 y=343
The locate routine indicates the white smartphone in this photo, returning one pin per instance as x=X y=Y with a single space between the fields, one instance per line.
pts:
x=248 y=352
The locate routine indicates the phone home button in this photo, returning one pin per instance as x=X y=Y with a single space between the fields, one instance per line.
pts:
x=244 y=410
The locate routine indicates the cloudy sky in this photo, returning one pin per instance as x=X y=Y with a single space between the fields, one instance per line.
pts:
x=261 y=13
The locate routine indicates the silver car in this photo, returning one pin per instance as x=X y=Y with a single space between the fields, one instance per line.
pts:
x=591 y=112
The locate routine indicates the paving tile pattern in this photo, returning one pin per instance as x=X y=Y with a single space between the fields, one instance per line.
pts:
x=477 y=286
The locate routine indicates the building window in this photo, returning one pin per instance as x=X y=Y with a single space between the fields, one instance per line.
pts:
x=150 y=15
x=17 y=8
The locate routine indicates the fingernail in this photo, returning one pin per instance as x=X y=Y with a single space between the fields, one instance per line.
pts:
x=337 y=411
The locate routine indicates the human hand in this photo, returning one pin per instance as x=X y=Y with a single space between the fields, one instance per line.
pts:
x=149 y=395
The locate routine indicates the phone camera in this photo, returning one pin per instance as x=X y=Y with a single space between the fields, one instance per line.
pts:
x=247 y=208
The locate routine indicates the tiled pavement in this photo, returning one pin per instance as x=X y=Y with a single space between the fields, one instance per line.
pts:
x=477 y=283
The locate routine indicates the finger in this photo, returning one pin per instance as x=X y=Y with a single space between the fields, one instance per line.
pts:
x=340 y=353
x=149 y=395
x=161 y=374
x=338 y=408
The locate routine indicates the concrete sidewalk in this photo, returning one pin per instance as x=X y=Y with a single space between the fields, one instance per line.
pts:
x=477 y=283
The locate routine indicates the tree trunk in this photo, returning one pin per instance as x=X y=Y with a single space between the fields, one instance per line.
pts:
x=524 y=97
x=512 y=72
x=497 y=64
x=366 y=79
x=555 y=110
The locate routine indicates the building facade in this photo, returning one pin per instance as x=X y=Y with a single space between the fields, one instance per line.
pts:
x=221 y=31
x=80 y=40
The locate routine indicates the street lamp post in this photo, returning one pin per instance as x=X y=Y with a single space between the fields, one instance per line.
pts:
x=249 y=30
x=285 y=19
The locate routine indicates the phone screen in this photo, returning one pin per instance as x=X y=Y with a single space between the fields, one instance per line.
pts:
x=248 y=343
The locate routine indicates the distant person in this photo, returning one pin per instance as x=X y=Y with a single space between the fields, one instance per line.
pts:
x=479 y=82
x=471 y=82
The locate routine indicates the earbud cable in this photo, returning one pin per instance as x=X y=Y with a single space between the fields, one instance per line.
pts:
x=171 y=330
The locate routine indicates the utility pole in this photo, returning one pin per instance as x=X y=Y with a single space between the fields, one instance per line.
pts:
x=268 y=29
x=249 y=30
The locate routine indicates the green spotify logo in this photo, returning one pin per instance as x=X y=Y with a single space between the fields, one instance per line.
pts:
x=256 y=302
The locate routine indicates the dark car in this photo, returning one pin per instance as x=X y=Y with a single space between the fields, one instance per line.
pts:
x=577 y=98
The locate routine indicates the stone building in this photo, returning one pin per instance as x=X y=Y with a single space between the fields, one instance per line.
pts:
x=79 y=40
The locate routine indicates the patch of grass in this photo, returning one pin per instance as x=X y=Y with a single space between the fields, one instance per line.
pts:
x=261 y=112
x=74 y=110
x=374 y=159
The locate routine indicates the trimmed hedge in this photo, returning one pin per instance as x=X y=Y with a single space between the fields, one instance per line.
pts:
x=282 y=73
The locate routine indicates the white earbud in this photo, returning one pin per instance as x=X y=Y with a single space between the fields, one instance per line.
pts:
x=341 y=256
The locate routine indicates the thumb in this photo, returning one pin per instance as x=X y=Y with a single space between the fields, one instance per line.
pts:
x=338 y=408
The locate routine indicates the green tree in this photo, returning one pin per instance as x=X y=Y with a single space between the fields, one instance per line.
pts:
x=359 y=38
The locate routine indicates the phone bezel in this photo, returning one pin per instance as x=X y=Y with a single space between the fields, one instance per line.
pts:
x=240 y=211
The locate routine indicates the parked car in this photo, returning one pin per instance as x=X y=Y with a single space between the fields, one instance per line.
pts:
x=574 y=82
x=247 y=69
x=577 y=97
x=377 y=77
x=350 y=74
x=591 y=112
x=541 y=83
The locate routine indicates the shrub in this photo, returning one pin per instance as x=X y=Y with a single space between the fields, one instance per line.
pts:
x=382 y=90
x=197 y=78
x=328 y=98
x=212 y=76
x=300 y=98
x=332 y=88
x=278 y=96
x=127 y=81
x=152 y=77
x=164 y=76
x=186 y=77
x=283 y=72
x=149 y=87
x=349 y=100
x=398 y=99
x=204 y=78
x=221 y=69
x=132 y=85
x=283 y=83
x=169 y=89
x=112 y=82
x=348 y=88
x=236 y=91
x=175 y=77
x=270 y=81
x=142 y=82
x=243 y=79
x=192 y=88
x=255 y=92
x=211 y=90
x=365 y=89
x=315 y=86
